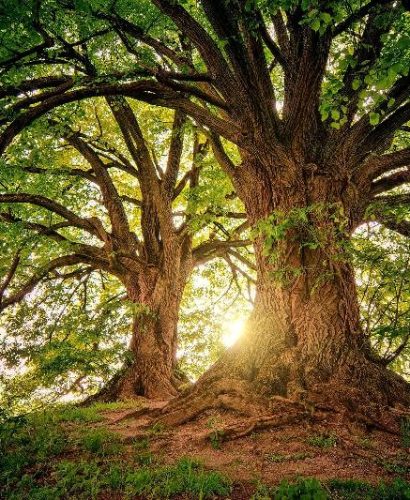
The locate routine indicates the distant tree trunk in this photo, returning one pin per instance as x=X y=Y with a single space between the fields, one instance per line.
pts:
x=151 y=370
x=153 y=346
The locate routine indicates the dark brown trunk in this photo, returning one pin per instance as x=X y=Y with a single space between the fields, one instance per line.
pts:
x=153 y=347
x=151 y=370
x=303 y=340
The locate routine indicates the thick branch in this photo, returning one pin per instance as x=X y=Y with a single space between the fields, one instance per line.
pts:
x=390 y=182
x=52 y=206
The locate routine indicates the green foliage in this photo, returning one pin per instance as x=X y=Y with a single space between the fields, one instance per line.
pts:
x=337 y=489
x=381 y=260
x=307 y=489
x=100 y=442
x=33 y=463
x=216 y=433
x=322 y=440
x=348 y=489
x=317 y=226
x=186 y=476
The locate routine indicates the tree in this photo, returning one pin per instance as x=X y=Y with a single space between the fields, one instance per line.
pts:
x=381 y=259
x=136 y=192
x=314 y=96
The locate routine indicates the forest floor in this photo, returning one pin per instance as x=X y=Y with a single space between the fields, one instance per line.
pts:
x=106 y=451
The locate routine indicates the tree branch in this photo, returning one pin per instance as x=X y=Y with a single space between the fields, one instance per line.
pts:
x=52 y=206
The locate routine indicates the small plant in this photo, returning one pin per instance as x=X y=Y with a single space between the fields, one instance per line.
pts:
x=365 y=442
x=141 y=444
x=405 y=432
x=396 y=466
x=157 y=428
x=101 y=442
x=358 y=490
x=276 y=458
x=349 y=489
x=322 y=441
x=145 y=458
x=216 y=434
x=262 y=492
x=308 y=489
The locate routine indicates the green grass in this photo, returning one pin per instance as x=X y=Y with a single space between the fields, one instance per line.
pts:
x=43 y=458
x=100 y=442
x=34 y=464
x=312 y=489
x=186 y=476
x=306 y=489
x=322 y=441
x=88 y=479
x=358 y=490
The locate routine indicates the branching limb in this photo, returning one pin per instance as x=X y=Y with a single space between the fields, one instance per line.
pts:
x=10 y=274
x=359 y=14
x=208 y=250
x=52 y=206
x=31 y=283
x=390 y=182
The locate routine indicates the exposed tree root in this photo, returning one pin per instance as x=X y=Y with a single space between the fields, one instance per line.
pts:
x=244 y=428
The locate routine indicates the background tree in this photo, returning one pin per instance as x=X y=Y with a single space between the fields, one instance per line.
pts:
x=138 y=194
x=313 y=95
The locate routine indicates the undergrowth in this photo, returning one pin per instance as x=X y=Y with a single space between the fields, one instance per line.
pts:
x=312 y=489
x=67 y=453
x=45 y=457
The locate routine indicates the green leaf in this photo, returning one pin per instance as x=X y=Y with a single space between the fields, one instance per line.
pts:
x=356 y=84
x=335 y=114
x=315 y=24
x=374 y=118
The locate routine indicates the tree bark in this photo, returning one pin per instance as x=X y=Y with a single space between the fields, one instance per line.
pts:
x=151 y=370
x=153 y=346
x=303 y=340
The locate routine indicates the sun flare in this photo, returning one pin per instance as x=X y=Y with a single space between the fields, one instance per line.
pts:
x=234 y=330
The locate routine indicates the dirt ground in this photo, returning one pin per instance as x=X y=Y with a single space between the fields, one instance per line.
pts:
x=326 y=450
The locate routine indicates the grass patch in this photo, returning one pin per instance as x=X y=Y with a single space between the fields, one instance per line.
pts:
x=358 y=490
x=78 y=415
x=336 y=489
x=322 y=440
x=34 y=464
x=101 y=442
x=307 y=489
x=89 y=479
x=186 y=476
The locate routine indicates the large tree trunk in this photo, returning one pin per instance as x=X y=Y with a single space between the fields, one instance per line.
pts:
x=303 y=340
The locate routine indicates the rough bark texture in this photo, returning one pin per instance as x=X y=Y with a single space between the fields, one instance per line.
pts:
x=303 y=341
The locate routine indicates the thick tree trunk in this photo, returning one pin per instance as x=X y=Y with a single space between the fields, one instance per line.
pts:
x=151 y=370
x=153 y=346
x=303 y=340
